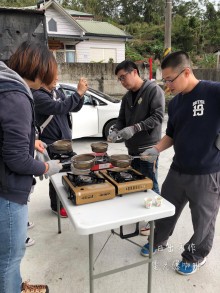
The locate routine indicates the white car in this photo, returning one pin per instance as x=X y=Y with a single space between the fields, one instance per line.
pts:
x=97 y=116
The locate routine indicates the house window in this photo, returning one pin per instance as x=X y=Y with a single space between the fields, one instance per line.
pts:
x=52 y=25
x=67 y=55
x=70 y=53
x=60 y=57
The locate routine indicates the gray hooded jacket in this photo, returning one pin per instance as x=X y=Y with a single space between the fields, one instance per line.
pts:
x=148 y=111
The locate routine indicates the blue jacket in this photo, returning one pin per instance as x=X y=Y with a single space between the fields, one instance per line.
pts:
x=17 y=137
x=194 y=124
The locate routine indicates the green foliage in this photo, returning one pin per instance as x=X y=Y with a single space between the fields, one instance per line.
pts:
x=131 y=53
x=182 y=33
x=206 y=61
x=17 y=3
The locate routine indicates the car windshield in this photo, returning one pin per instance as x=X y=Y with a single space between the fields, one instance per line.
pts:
x=92 y=91
x=104 y=96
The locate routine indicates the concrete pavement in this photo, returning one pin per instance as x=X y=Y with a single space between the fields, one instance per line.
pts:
x=61 y=260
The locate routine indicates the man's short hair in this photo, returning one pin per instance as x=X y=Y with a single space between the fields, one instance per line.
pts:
x=34 y=60
x=176 y=59
x=126 y=65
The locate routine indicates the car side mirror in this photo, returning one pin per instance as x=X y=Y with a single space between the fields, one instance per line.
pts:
x=95 y=102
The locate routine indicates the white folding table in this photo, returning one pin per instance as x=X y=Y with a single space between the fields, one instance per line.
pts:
x=92 y=218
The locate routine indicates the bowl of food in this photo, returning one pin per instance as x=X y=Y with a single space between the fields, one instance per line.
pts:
x=99 y=147
x=83 y=162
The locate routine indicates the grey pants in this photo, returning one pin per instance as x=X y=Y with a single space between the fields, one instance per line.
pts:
x=203 y=194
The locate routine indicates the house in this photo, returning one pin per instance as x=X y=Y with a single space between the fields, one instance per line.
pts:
x=217 y=53
x=75 y=36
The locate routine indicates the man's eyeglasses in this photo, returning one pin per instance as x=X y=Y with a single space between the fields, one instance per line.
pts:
x=172 y=80
x=122 y=77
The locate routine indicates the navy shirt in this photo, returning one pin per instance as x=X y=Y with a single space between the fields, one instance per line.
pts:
x=194 y=123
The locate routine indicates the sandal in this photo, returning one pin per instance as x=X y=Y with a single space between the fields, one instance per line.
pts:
x=145 y=231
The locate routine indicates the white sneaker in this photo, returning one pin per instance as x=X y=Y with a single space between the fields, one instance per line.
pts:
x=30 y=225
x=29 y=241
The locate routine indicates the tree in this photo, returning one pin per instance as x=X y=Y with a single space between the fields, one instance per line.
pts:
x=187 y=8
x=154 y=11
x=212 y=32
x=130 y=11
x=17 y=3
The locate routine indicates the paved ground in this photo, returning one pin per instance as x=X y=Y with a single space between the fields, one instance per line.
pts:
x=61 y=261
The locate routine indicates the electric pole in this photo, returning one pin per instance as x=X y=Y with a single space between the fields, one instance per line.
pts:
x=168 y=21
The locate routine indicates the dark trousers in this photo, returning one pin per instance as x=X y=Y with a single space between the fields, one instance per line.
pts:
x=53 y=197
x=150 y=170
x=203 y=194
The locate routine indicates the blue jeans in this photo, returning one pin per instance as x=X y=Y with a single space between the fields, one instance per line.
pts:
x=13 y=232
x=148 y=170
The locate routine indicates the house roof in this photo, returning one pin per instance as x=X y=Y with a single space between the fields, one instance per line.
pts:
x=92 y=27
x=78 y=13
x=21 y=9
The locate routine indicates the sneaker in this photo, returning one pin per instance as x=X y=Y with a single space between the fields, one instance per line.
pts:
x=63 y=213
x=145 y=231
x=27 y=288
x=186 y=269
x=29 y=241
x=30 y=225
x=145 y=250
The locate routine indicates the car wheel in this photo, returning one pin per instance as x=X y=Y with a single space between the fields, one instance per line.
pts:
x=109 y=128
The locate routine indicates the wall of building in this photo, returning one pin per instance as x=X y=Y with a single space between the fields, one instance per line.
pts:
x=207 y=74
x=84 y=51
x=101 y=76
x=64 y=27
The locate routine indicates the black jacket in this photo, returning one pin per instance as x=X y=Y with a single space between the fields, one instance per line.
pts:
x=148 y=111
x=17 y=137
x=45 y=105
